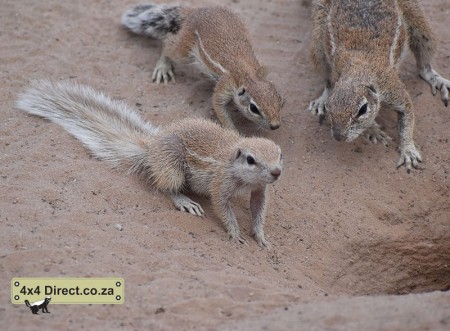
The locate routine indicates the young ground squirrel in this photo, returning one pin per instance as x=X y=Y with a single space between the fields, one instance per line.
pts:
x=217 y=41
x=358 y=45
x=191 y=154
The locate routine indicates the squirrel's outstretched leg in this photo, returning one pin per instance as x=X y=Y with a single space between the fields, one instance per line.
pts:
x=399 y=99
x=317 y=107
x=221 y=98
x=409 y=155
x=423 y=45
x=258 y=201
x=221 y=194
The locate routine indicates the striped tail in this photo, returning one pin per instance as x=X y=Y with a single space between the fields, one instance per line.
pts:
x=153 y=20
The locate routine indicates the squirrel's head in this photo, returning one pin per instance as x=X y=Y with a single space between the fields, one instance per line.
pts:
x=352 y=108
x=257 y=161
x=258 y=100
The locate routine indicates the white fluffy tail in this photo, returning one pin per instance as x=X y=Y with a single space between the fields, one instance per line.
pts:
x=110 y=129
x=153 y=20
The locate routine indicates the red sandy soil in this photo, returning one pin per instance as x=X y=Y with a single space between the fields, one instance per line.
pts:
x=349 y=231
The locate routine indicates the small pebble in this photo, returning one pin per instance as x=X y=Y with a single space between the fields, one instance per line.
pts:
x=119 y=227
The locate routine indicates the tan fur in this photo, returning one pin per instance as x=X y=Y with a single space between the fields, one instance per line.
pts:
x=357 y=45
x=218 y=42
x=193 y=154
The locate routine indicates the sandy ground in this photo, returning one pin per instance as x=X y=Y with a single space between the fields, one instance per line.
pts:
x=349 y=231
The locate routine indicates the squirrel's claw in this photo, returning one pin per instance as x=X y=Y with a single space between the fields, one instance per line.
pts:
x=163 y=71
x=239 y=239
x=437 y=82
x=262 y=241
x=376 y=135
x=317 y=107
x=236 y=237
x=444 y=94
x=183 y=203
x=409 y=157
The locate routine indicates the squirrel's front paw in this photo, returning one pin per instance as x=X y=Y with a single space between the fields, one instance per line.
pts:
x=235 y=235
x=376 y=135
x=262 y=241
x=317 y=107
x=437 y=82
x=239 y=239
x=409 y=157
x=163 y=71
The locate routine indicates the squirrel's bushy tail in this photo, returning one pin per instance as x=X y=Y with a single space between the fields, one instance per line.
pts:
x=110 y=129
x=154 y=20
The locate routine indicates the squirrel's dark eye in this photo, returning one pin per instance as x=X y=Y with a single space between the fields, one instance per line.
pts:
x=254 y=109
x=362 y=110
x=241 y=92
x=250 y=160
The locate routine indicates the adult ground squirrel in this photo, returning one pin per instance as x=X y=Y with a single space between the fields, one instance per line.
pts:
x=358 y=45
x=217 y=41
x=191 y=154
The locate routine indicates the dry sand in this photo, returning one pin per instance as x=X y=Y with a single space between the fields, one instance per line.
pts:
x=349 y=231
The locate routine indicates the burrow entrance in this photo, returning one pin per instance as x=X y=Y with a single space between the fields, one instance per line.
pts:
x=418 y=261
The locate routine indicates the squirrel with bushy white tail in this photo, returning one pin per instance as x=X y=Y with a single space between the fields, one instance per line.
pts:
x=358 y=46
x=193 y=154
x=217 y=42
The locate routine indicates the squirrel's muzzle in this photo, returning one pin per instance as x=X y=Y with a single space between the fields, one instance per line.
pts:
x=276 y=173
x=337 y=134
x=274 y=125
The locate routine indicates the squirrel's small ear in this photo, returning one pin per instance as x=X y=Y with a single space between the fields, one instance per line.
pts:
x=237 y=153
x=241 y=91
x=372 y=89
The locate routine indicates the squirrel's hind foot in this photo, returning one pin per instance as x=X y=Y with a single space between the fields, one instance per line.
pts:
x=183 y=203
x=437 y=82
x=163 y=71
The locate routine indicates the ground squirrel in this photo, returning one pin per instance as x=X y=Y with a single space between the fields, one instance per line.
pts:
x=193 y=154
x=217 y=41
x=358 y=45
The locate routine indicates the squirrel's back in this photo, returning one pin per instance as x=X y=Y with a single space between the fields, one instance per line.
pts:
x=375 y=28
x=194 y=25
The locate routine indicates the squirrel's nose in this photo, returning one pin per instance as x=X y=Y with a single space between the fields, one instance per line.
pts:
x=276 y=173
x=274 y=125
x=337 y=134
